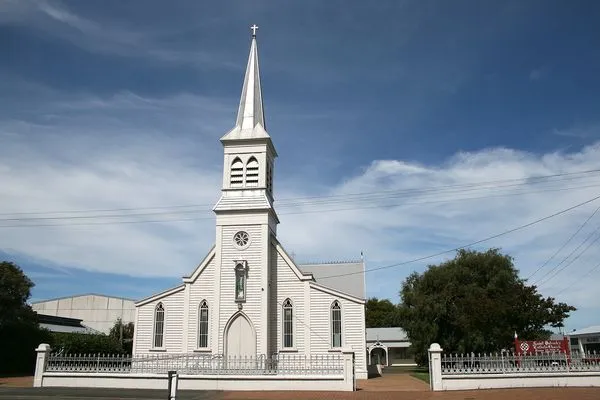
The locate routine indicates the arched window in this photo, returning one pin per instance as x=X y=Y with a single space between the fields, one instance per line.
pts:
x=237 y=173
x=203 y=325
x=288 y=324
x=336 y=324
x=252 y=172
x=159 y=325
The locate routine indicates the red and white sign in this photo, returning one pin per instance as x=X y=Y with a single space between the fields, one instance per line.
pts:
x=529 y=347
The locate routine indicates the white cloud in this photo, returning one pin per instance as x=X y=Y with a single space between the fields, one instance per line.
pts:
x=81 y=152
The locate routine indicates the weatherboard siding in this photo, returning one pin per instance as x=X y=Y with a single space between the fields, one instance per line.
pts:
x=353 y=326
x=174 y=329
x=254 y=256
x=202 y=289
x=287 y=285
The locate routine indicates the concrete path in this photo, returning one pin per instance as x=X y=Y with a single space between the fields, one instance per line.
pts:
x=392 y=387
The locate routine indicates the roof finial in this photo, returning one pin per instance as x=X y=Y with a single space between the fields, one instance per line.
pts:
x=254 y=28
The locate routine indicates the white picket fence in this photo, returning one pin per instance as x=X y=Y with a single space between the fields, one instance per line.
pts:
x=327 y=371
x=509 y=370
x=199 y=364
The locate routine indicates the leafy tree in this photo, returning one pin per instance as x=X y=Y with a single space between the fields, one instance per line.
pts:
x=123 y=333
x=474 y=303
x=380 y=313
x=19 y=330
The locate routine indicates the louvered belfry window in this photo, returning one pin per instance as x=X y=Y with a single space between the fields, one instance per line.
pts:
x=237 y=173
x=252 y=172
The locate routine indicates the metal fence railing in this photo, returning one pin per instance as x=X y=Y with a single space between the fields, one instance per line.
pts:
x=504 y=362
x=199 y=364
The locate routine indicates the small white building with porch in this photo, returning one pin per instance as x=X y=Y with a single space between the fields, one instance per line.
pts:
x=388 y=347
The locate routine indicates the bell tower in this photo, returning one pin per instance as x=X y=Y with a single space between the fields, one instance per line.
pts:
x=246 y=221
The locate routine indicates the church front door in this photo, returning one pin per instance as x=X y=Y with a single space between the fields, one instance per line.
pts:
x=240 y=338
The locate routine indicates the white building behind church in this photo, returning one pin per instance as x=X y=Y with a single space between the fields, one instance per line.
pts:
x=248 y=297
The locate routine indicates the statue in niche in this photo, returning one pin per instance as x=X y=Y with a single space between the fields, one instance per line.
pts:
x=240 y=280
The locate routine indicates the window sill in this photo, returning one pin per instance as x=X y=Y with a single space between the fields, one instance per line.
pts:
x=158 y=349
x=288 y=350
x=335 y=350
x=202 y=350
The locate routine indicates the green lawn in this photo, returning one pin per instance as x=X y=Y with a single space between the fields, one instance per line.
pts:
x=422 y=375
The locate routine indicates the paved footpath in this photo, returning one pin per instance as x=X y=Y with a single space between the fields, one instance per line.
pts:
x=396 y=387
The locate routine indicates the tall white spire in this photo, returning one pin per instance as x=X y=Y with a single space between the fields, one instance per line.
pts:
x=250 y=122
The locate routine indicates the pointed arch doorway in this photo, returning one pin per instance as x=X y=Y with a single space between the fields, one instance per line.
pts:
x=240 y=339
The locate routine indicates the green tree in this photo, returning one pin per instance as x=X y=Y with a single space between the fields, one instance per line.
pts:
x=380 y=313
x=19 y=330
x=123 y=333
x=474 y=303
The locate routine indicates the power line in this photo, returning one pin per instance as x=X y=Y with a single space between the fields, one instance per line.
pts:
x=470 y=244
x=564 y=244
x=347 y=197
x=557 y=271
x=318 y=210
x=578 y=279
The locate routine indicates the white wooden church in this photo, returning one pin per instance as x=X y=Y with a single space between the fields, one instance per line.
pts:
x=248 y=296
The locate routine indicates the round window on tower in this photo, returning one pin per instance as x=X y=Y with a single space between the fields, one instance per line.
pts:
x=241 y=240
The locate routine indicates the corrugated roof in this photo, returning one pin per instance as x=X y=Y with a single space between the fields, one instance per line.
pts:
x=83 y=295
x=386 y=335
x=327 y=274
x=586 y=331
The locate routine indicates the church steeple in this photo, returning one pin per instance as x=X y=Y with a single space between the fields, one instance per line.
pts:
x=249 y=154
x=250 y=121
x=251 y=111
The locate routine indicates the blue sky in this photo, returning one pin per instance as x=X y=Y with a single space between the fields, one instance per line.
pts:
x=120 y=104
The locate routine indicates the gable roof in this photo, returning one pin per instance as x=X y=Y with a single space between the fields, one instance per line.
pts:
x=160 y=295
x=328 y=274
x=194 y=275
x=334 y=292
x=386 y=335
x=303 y=276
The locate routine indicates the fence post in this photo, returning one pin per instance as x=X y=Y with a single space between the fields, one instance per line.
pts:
x=43 y=351
x=348 y=360
x=435 y=367
x=172 y=385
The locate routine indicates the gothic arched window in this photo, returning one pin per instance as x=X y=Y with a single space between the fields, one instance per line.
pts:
x=288 y=324
x=203 y=325
x=237 y=173
x=159 y=325
x=252 y=172
x=336 y=324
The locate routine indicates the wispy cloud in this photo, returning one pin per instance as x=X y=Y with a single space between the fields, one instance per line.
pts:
x=540 y=73
x=591 y=131
x=114 y=37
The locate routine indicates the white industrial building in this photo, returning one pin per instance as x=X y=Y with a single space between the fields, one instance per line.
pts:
x=586 y=340
x=96 y=311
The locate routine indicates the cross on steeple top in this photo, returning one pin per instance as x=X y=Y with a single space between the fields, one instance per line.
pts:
x=254 y=28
